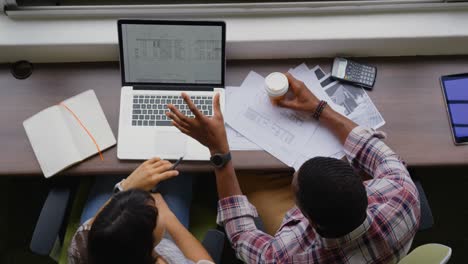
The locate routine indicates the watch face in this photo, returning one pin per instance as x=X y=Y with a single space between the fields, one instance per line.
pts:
x=217 y=160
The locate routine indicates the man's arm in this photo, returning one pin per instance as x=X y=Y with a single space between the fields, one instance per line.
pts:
x=363 y=147
x=365 y=150
x=235 y=213
x=304 y=100
x=209 y=131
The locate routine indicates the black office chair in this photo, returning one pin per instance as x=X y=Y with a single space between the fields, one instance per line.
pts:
x=426 y=221
x=58 y=221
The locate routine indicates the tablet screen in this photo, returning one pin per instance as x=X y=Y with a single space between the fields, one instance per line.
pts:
x=456 y=93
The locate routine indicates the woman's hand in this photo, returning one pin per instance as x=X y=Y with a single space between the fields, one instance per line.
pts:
x=149 y=174
x=161 y=204
x=303 y=99
x=209 y=131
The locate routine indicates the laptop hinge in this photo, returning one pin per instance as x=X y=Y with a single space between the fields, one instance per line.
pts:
x=169 y=87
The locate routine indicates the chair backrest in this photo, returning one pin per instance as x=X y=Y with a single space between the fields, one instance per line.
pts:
x=426 y=220
x=428 y=254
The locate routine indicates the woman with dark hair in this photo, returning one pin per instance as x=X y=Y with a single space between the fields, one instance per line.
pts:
x=136 y=226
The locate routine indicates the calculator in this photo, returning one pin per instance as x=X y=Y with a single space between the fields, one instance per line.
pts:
x=354 y=73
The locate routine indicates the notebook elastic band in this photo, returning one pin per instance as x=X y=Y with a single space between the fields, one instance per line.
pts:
x=87 y=131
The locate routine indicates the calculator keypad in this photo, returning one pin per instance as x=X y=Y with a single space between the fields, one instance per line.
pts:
x=361 y=74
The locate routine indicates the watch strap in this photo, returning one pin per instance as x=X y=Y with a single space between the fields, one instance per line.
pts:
x=225 y=158
x=118 y=187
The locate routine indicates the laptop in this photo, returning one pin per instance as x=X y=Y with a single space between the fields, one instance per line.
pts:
x=158 y=61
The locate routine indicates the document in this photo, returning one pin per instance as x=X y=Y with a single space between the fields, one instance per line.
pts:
x=235 y=139
x=238 y=142
x=322 y=142
x=354 y=102
x=279 y=131
x=291 y=136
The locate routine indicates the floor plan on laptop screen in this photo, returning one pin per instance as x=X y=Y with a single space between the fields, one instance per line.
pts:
x=172 y=53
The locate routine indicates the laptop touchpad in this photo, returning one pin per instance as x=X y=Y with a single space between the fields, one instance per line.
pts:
x=170 y=145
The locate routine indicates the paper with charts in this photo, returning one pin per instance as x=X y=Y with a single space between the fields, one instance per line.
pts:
x=281 y=132
x=291 y=136
x=354 y=101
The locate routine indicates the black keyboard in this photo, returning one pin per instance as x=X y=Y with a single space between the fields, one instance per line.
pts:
x=150 y=110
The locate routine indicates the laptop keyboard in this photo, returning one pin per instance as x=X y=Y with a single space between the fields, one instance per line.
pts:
x=150 y=110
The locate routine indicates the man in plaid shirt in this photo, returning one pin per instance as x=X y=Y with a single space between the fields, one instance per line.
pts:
x=337 y=217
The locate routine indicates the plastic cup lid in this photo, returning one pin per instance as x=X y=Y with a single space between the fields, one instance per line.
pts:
x=276 y=84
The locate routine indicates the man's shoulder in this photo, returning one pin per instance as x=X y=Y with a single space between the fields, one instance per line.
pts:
x=296 y=228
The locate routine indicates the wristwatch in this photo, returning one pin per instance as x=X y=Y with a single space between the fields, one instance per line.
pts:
x=118 y=187
x=219 y=160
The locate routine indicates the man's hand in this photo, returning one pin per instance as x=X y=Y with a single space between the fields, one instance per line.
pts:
x=209 y=131
x=303 y=99
x=149 y=174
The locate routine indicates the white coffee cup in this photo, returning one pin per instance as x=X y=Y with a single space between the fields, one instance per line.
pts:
x=276 y=85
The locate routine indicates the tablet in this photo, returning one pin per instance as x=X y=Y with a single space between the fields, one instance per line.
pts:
x=455 y=90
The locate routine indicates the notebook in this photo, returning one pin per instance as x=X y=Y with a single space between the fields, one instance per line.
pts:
x=69 y=132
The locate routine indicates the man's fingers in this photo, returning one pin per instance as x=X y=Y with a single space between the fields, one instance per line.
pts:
x=182 y=129
x=191 y=106
x=291 y=78
x=217 y=104
x=176 y=112
x=176 y=119
x=293 y=82
x=287 y=103
x=165 y=175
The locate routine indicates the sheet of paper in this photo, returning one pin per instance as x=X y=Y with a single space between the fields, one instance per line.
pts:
x=279 y=131
x=51 y=141
x=348 y=100
x=238 y=142
x=235 y=139
x=290 y=136
x=322 y=142
x=355 y=102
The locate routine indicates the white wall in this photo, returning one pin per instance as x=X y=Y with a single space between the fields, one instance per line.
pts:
x=357 y=34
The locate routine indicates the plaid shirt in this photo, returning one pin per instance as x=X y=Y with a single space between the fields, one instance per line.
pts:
x=384 y=237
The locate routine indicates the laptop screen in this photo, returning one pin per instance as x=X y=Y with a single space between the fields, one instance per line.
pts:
x=170 y=52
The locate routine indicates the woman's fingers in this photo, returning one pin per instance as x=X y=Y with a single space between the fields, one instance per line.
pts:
x=162 y=168
x=153 y=160
x=165 y=175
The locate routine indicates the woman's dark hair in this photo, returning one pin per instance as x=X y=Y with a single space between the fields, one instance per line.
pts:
x=332 y=195
x=122 y=232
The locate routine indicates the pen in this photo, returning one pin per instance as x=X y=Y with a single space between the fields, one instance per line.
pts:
x=176 y=163
x=174 y=166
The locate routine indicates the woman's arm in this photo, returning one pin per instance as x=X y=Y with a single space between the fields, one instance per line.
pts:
x=187 y=243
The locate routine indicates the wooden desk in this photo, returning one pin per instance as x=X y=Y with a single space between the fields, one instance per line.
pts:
x=407 y=93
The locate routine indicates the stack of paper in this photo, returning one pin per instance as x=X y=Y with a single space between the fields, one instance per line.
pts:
x=291 y=136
